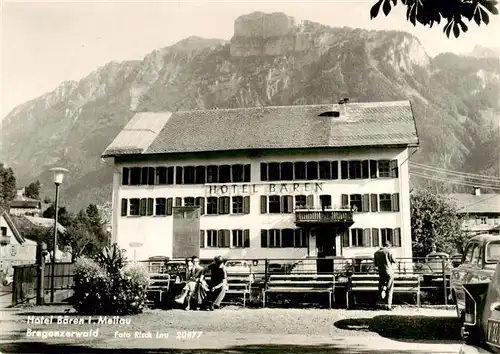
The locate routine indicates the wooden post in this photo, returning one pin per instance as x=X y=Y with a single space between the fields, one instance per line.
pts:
x=41 y=251
x=444 y=285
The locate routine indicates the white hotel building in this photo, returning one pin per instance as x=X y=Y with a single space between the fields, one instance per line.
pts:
x=266 y=182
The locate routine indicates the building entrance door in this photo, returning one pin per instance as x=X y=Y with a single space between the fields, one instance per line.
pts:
x=325 y=242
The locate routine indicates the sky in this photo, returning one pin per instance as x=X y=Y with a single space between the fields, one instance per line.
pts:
x=46 y=43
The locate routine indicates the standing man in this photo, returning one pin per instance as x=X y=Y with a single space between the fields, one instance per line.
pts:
x=383 y=260
x=218 y=283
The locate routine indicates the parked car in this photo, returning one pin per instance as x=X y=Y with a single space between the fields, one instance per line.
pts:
x=481 y=328
x=240 y=267
x=482 y=252
x=177 y=269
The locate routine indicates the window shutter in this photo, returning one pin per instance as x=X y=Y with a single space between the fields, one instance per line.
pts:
x=227 y=238
x=345 y=238
x=282 y=204
x=397 y=237
x=246 y=204
x=374 y=199
x=178 y=175
x=310 y=201
x=344 y=170
x=124 y=207
x=289 y=198
x=202 y=238
x=246 y=238
x=169 y=206
x=150 y=206
x=200 y=201
x=373 y=168
x=220 y=206
x=142 y=207
x=394 y=172
x=395 y=202
x=344 y=201
x=263 y=171
x=151 y=176
x=263 y=238
x=178 y=201
x=220 y=238
x=227 y=205
x=263 y=204
x=365 y=203
x=246 y=173
x=375 y=238
x=125 y=176
x=367 y=238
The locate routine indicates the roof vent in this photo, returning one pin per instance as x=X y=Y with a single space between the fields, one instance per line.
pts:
x=330 y=114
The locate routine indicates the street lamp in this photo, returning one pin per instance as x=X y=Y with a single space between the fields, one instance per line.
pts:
x=58 y=179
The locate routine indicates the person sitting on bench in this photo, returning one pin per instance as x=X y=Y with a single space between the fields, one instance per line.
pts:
x=194 y=279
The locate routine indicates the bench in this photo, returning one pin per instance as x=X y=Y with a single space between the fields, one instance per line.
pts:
x=159 y=283
x=300 y=283
x=403 y=283
x=238 y=284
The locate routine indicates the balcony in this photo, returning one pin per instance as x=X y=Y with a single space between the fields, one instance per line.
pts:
x=318 y=217
x=4 y=240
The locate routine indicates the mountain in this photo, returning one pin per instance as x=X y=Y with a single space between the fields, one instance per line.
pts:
x=485 y=52
x=271 y=60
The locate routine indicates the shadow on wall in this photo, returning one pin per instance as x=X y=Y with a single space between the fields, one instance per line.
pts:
x=424 y=329
x=41 y=347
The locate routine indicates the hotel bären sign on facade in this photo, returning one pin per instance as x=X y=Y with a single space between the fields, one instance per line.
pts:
x=288 y=183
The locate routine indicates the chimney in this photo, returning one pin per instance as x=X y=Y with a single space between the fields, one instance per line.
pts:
x=343 y=106
x=477 y=191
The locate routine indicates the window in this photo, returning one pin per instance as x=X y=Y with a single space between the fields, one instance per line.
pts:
x=354 y=169
x=263 y=171
x=374 y=202
x=212 y=174
x=178 y=175
x=161 y=206
x=178 y=201
x=287 y=171
x=274 y=238
x=212 y=205
x=287 y=238
x=493 y=252
x=385 y=202
x=224 y=174
x=325 y=171
x=241 y=238
x=124 y=208
x=393 y=166
x=170 y=175
x=237 y=205
x=355 y=202
x=383 y=168
x=344 y=169
x=211 y=238
x=273 y=171
x=200 y=175
x=189 y=172
x=299 y=170
x=134 y=206
x=263 y=238
x=135 y=176
x=484 y=220
x=476 y=254
x=386 y=235
x=365 y=169
x=125 y=176
x=335 y=170
x=274 y=204
x=325 y=201
x=247 y=173
x=224 y=205
x=357 y=237
x=300 y=238
x=287 y=204
x=300 y=202
x=223 y=238
x=161 y=175
x=147 y=176
x=237 y=173
x=373 y=168
x=312 y=170
x=189 y=201
x=200 y=202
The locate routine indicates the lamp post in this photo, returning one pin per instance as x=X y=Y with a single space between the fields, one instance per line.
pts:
x=58 y=179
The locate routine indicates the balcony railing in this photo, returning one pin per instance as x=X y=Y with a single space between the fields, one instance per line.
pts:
x=4 y=240
x=317 y=216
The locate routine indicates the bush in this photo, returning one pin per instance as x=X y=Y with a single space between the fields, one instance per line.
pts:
x=107 y=285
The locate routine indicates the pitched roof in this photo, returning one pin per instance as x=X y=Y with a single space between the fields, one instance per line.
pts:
x=284 y=127
x=9 y=219
x=471 y=203
x=24 y=223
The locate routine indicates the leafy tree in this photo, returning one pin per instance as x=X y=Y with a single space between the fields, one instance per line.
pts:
x=96 y=223
x=455 y=12
x=435 y=221
x=7 y=186
x=42 y=234
x=79 y=238
x=33 y=190
x=63 y=217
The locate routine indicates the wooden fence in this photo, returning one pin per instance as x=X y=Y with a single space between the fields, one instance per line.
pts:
x=24 y=285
